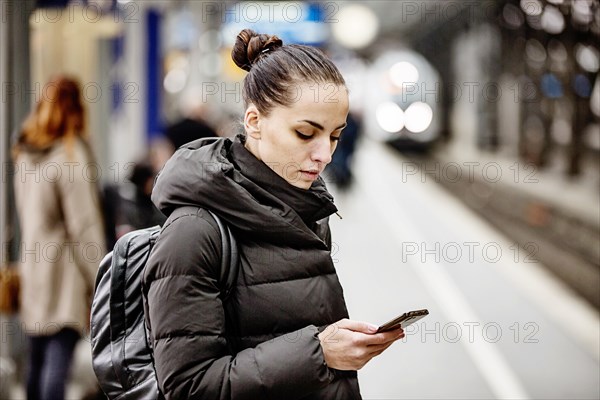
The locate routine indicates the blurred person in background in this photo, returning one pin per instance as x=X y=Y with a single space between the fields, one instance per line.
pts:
x=128 y=206
x=62 y=234
x=284 y=332
x=193 y=125
x=340 y=169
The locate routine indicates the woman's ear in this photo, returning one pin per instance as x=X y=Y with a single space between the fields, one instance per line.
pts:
x=252 y=122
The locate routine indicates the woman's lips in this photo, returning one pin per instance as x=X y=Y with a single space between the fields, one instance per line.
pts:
x=310 y=174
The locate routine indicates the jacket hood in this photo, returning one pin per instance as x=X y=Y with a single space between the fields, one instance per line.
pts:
x=221 y=175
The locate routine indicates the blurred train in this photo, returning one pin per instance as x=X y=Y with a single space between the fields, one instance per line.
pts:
x=402 y=102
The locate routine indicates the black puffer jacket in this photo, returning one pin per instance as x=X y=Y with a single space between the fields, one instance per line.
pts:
x=261 y=344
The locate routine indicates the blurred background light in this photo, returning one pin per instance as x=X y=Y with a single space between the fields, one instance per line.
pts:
x=175 y=80
x=404 y=73
x=210 y=40
x=582 y=86
x=557 y=51
x=587 y=57
x=535 y=21
x=532 y=7
x=418 y=117
x=390 y=117
x=513 y=16
x=552 y=20
x=582 y=11
x=535 y=53
x=357 y=26
x=551 y=86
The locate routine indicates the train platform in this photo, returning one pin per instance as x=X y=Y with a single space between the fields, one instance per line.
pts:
x=553 y=217
x=501 y=326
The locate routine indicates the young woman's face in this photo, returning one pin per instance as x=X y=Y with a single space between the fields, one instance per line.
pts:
x=297 y=142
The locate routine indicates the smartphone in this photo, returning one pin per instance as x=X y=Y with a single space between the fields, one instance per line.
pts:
x=403 y=320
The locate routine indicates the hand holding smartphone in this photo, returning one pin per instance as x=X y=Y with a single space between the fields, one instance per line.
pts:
x=403 y=320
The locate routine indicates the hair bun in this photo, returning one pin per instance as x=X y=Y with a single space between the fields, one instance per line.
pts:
x=250 y=46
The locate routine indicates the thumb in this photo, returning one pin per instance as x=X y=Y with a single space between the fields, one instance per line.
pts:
x=357 y=326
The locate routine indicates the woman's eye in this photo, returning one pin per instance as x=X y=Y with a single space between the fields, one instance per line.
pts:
x=303 y=136
x=335 y=138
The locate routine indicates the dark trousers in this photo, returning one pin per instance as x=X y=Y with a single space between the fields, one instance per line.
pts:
x=49 y=361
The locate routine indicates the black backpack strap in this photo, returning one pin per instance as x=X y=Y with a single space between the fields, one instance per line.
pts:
x=229 y=260
x=229 y=250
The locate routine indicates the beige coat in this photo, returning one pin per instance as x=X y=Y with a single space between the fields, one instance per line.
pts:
x=62 y=239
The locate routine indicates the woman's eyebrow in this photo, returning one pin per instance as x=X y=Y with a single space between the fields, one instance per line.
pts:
x=318 y=126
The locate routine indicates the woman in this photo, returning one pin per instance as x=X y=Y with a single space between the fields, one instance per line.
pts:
x=284 y=332
x=61 y=232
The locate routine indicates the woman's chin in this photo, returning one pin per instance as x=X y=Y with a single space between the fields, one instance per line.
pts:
x=301 y=183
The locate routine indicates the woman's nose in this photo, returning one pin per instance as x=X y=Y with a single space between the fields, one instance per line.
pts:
x=321 y=153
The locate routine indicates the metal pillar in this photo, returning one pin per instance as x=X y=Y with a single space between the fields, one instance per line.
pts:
x=15 y=81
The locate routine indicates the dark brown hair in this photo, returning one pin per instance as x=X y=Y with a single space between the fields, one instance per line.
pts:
x=274 y=69
x=59 y=114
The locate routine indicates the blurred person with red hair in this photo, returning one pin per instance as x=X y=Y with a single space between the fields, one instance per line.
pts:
x=62 y=234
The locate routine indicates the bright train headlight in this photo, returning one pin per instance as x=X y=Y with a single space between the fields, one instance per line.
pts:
x=390 y=117
x=418 y=117
x=404 y=73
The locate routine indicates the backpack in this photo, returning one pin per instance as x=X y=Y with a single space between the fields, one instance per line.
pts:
x=121 y=348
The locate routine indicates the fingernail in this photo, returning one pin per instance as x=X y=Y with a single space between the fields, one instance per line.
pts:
x=373 y=328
